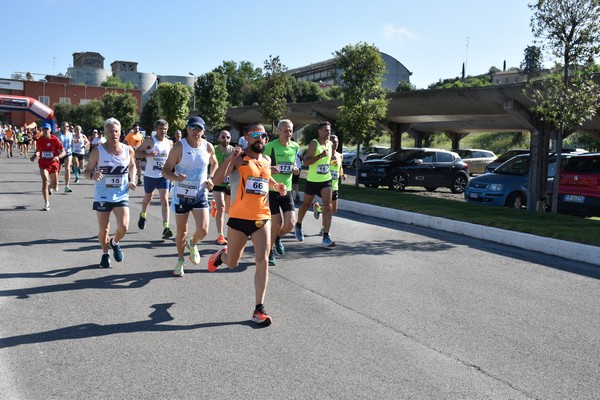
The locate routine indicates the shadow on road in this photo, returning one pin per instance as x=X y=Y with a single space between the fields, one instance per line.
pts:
x=159 y=316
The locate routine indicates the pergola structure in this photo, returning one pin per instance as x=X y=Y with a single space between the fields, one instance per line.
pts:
x=453 y=112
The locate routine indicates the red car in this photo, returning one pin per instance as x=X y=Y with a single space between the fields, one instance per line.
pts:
x=579 y=186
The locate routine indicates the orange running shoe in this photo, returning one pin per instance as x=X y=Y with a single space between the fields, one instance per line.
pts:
x=221 y=240
x=213 y=210
x=261 y=318
x=215 y=260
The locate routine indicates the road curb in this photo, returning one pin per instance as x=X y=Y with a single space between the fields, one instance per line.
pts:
x=555 y=247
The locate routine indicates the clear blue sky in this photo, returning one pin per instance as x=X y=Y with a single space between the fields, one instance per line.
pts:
x=176 y=37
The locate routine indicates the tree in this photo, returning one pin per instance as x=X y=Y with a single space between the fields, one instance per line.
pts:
x=150 y=113
x=173 y=100
x=62 y=111
x=211 y=97
x=569 y=31
x=405 y=86
x=116 y=82
x=120 y=106
x=88 y=115
x=364 y=102
x=532 y=64
x=275 y=89
x=237 y=78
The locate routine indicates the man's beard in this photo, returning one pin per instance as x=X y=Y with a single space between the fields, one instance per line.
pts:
x=257 y=147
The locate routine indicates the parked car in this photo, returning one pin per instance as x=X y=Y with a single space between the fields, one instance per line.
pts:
x=508 y=185
x=579 y=186
x=503 y=158
x=428 y=168
x=351 y=160
x=477 y=159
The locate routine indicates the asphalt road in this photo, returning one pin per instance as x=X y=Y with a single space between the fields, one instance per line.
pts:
x=394 y=312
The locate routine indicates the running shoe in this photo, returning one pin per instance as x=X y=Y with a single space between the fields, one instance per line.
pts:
x=139 y=182
x=316 y=211
x=141 y=222
x=327 y=242
x=279 y=248
x=167 y=233
x=105 y=261
x=76 y=180
x=68 y=189
x=260 y=317
x=221 y=240
x=117 y=252
x=178 y=271
x=213 y=209
x=46 y=207
x=214 y=261
x=299 y=234
x=194 y=253
x=272 y=260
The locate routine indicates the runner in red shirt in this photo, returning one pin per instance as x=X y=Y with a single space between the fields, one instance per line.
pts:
x=49 y=149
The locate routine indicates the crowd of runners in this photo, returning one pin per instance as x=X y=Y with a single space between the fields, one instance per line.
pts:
x=254 y=186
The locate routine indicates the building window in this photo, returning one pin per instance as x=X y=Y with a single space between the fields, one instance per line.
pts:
x=65 y=100
x=44 y=100
x=84 y=101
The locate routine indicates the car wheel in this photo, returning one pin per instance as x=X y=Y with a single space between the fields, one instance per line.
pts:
x=459 y=184
x=398 y=182
x=357 y=163
x=515 y=200
x=372 y=186
x=430 y=188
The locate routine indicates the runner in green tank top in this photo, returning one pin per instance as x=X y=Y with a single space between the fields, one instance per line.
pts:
x=283 y=153
x=337 y=174
x=318 y=182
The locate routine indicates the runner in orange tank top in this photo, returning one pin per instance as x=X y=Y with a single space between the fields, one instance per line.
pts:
x=249 y=215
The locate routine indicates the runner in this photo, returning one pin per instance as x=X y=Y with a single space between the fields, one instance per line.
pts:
x=221 y=193
x=155 y=149
x=66 y=137
x=318 y=181
x=80 y=144
x=49 y=149
x=112 y=166
x=187 y=166
x=337 y=173
x=249 y=215
x=283 y=153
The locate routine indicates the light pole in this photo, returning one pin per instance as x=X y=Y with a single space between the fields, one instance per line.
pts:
x=194 y=90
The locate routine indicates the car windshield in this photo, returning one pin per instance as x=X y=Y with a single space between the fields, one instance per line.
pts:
x=402 y=155
x=508 y=155
x=516 y=166
x=583 y=164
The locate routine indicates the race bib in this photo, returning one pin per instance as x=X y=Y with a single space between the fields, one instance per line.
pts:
x=257 y=185
x=285 y=168
x=322 y=169
x=186 y=190
x=113 y=181
x=47 y=154
x=158 y=165
x=335 y=175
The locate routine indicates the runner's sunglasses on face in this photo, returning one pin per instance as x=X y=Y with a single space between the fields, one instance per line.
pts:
x=255 y=135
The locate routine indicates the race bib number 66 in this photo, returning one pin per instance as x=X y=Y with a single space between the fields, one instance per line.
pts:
x=257 y=185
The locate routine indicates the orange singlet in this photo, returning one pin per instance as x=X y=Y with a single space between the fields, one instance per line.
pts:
x=251 y=201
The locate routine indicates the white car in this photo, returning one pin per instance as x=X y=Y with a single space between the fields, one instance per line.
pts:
x=351 y=160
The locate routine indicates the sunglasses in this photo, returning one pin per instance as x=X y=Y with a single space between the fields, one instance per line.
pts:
x=256 y=135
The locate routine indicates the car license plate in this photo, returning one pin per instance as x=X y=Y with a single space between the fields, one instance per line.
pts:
x=573 y=198
x=363 y=174
x=473 y=195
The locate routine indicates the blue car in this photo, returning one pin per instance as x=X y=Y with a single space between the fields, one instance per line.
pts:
x=507 y=186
